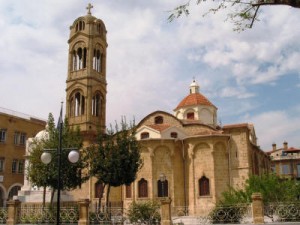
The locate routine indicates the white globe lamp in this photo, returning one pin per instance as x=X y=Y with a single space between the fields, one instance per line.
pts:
x=46 y=158
x=73 y=156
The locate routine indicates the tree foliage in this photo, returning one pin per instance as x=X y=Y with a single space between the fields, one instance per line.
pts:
x=43 y=175
x=115 y=158
x=243 y=13
x=146 y=212
x=272 y=188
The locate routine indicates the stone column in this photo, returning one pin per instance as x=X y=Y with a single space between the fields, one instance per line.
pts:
x=257 y=208
x=12 y=209
x=166 y=211
x=83 y=212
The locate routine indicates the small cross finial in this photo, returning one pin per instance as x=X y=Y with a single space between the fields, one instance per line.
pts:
x=89 y=7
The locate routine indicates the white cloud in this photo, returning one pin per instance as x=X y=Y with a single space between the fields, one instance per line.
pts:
x=276 y=127
x=150 y=62
x=239 y=93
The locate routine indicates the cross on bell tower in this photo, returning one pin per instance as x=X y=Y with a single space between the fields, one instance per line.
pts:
x=86 y=81
x=89 y=7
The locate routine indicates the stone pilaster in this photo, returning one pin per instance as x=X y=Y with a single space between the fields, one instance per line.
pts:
x=83 y=212
x=166 y=211
x=257 y=208
x=12 y=209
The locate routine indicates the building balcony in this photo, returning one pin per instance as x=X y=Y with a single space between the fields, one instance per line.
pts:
x=285 y=157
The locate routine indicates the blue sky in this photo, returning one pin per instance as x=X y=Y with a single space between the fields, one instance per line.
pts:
x=252 y=76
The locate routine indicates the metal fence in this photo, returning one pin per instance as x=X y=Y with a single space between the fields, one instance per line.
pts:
x=282 y=212
x=37 y=214
x=236 y=214
x=111 y=215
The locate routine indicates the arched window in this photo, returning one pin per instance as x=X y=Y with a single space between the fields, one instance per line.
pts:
x=99 y=27
x=256 y=165
x=72 y=107
x=203 y=186
x=79 y=59
x=77 y=105
x=174 y=135
x=99 y=190
x=1 y=197
x=144 y=135
x=190 y=116
x=80 y=26
x=162 y=188
x=74 y=63
x=96 y=105
x=128 y=191
x=143 y=188
x=13 y=192
x=159 y=120
x=97 y=60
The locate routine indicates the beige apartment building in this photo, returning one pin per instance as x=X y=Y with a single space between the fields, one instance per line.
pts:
x=14 y=129
x=285 y=161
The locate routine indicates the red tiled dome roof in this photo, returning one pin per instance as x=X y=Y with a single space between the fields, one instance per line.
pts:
x=194 y=99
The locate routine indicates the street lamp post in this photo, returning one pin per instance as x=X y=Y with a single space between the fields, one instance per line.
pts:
x=46 y=159
x=162 y=178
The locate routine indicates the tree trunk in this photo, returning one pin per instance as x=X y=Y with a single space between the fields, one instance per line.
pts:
x=293 y=3
x=107 y=196
x=44 y=196
x=52 y=197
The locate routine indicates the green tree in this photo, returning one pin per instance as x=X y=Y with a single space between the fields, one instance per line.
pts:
x=115 y=158
x=242 y=13
x=43 y=175
x=272 y=188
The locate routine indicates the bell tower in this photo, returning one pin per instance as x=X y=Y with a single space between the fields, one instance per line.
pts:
x=86 y=81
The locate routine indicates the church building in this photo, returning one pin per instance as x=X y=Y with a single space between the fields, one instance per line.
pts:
x=186 y=155
x=191 y=159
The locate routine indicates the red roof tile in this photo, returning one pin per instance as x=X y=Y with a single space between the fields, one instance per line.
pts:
x=159 y=127
x=194 y=99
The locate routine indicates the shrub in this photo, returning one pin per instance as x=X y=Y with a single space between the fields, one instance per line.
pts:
x=144 y=212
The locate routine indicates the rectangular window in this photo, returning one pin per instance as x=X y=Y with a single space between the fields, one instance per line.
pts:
x=1 y=164
x=14 y=166
x=16 y=138
x=19 y=138
x=285 y=169
x=23 y=139
x=298 y=170
x=2 y=135
x=21 y=166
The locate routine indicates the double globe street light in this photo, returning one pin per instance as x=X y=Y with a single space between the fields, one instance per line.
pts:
x=73 y=156
x=46 y=158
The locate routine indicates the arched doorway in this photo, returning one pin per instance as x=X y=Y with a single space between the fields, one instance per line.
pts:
x=1 y=197
x=13 y=192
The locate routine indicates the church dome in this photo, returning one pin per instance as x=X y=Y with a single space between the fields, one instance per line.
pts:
x=43 y=134
x=89 y=25
x=196 y=107
x=194 y=99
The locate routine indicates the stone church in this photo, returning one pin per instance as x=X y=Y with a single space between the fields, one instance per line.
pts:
x=186 y=155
